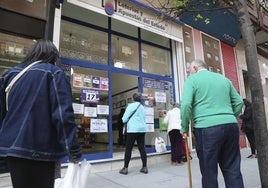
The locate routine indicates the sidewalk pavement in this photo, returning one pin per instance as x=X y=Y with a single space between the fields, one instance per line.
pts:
x=164 y=175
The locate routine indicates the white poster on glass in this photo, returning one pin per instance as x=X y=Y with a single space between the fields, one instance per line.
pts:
x=103 y=109
x=78 y=108
x=160 y=97
x=150 y=127
x=98 y=126
x=90 y=112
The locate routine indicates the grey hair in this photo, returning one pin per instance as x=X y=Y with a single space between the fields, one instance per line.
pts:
x=176 y=105
x=199 y=63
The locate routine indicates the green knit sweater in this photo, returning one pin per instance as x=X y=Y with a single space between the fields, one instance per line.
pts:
x=209 y=99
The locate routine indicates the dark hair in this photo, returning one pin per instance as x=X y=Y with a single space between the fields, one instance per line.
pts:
x=43 y=50
x=246 y=102
x=137 y=97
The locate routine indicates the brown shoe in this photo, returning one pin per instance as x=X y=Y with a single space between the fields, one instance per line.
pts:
x=144 y=170
x=123 y=171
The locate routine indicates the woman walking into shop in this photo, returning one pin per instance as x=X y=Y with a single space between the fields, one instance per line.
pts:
x=37 y=126
x=134 y=116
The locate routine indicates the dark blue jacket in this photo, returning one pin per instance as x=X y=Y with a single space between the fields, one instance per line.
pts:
x=39 y=123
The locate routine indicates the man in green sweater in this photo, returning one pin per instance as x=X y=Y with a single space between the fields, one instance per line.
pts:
x=211 y=101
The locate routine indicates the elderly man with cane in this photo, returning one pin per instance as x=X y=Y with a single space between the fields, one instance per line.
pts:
x=211 y=101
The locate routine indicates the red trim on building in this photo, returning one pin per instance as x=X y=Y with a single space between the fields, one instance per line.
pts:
x=230 y=69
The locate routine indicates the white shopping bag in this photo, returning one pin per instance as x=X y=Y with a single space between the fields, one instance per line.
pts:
x=160 y=145
x=76 y=176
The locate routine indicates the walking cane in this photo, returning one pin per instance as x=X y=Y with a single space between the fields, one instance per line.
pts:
x=188 y=163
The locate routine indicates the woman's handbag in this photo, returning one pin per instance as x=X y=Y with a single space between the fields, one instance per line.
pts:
x=76 y=176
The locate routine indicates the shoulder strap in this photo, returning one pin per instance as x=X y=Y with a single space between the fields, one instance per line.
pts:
x=8 y=88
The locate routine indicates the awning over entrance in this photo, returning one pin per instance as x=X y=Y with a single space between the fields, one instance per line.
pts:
x=222 y=25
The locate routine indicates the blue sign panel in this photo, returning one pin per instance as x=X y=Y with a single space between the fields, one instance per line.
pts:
x=222 y=25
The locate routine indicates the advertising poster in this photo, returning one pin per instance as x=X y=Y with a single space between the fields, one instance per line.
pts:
x=104 y=83
x=87 y=81
x=95 y=82
x=78 y=80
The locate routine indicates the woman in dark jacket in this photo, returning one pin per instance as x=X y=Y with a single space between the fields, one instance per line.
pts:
x=247 y=127
x=37 y=126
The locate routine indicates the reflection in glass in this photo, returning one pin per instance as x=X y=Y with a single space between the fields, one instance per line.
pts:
x=125 y=53
x=156 y=60
x=13 y=49
x=83 y=43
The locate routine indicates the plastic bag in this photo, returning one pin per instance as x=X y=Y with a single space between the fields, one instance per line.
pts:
x=76 y=176
x=160 y=145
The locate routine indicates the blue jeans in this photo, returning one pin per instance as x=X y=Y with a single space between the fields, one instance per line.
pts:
x=219 y=145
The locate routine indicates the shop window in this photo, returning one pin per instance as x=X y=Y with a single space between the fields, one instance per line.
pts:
x=154 y=38
x=13 y=49
x=158 y=96
x=84 y=15
x=125 y=53
x=90 y=103
x=157 y=60
x=83 y=43
x=124 y=28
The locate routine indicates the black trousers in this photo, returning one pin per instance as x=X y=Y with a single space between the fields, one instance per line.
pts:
x=131 y=138
x=30 y=173
x=251 y=140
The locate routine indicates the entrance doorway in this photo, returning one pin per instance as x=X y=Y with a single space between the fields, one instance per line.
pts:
x=123 y=87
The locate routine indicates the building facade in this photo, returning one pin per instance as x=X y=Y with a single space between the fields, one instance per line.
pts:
x=111 y=49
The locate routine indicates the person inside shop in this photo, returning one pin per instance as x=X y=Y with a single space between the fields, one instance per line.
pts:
x=120 y=126
x=136 y=128
x=85 y=124
x=211 y=101
x=173 y=120
x=37 y=122
x=247 y=127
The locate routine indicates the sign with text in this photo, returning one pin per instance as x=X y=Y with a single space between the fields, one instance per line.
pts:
x=98 y=126
x=90 y=96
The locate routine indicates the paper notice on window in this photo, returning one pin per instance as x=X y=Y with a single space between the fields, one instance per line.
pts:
x=78 y=108
x=160 y=97
x=150 y=127
x=90 y=112
x=98 y=126
x=103 y=109
x=149 y=119
x=149 y=111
